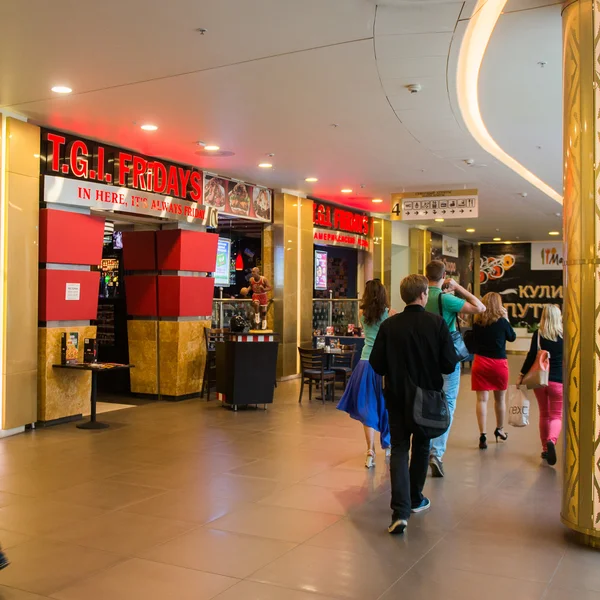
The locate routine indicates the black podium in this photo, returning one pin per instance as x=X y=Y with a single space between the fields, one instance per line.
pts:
x=247 y=369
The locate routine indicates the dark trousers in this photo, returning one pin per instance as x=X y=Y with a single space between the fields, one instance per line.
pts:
x=407 y=481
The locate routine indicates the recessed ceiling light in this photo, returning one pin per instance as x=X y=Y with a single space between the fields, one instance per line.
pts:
x=265 y=165
x=497 y=239
x=377 y=200
x=61 y=89
x=149 y=127
x=311 y=179
x=439 y=220
x=346 y=191
x=554 y=233
x=470 y=230
x=212 y=148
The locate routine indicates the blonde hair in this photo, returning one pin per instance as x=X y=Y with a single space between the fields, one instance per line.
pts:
x=551 y=326
x=494 y=311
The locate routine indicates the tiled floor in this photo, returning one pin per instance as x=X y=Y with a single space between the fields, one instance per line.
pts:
x=191 y=501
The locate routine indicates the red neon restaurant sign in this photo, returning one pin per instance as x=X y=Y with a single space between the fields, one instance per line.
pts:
x=77 y=158
x=341 y=219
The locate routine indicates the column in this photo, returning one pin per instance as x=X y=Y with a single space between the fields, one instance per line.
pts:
x=581 y=487
x=382 y=252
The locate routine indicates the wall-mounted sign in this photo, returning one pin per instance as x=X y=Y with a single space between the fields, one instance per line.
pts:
x=327 y=216
x=320 y=270
x=77 y=158
x=223 y=262
x=449 y=246
x=237 y=198
x=547 y=256
x=73 y=291
x=71 y=192
x=421 y=206
x=324 y=237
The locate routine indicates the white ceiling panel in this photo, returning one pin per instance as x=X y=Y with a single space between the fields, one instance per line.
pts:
x=423 y=66
x=410 y=46
x=418 y=18
x=433 y=90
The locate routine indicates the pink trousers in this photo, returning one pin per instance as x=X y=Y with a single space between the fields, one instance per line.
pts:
x=550 y=401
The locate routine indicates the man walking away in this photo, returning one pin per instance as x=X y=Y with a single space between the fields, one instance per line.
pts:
x=412 y=349
x=462 y=303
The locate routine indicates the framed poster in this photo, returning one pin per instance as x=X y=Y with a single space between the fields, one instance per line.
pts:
x=449 y=246
x=320 y=270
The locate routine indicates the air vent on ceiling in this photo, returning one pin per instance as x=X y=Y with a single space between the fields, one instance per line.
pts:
x=214 y=153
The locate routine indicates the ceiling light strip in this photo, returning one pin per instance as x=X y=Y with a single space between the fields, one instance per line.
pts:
x=474 y=45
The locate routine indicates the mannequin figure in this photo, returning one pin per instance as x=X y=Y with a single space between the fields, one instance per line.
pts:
x=260 y=301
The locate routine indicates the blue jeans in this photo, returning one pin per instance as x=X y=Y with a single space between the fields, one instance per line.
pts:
x=451 y=387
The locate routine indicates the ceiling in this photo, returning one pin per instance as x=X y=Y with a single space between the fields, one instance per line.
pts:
x=274 y=76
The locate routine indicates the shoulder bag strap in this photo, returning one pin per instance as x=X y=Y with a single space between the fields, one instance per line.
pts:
x=440 y=305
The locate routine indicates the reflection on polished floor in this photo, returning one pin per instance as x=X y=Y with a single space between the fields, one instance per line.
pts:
x=191 y=501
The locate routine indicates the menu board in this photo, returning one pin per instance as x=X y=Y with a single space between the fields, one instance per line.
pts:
x=237 y=198
x=223 y=262
x=105 y=335
x=320 y=270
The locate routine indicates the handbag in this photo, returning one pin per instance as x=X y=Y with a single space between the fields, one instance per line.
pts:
x=456 y=336
x=539 y=374
x=469 y=339
x=518 y=406
x=430 y=412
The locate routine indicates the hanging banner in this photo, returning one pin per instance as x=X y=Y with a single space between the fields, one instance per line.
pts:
x=238 y=199
x=422 y=206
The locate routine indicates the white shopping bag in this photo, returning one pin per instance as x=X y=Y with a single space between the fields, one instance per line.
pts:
x=518 y=406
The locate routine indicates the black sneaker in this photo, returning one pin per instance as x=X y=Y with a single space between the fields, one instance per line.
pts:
x=397 y=526
x=551 y=453
x=4 y=562
x=425 y=505
x=437 y=466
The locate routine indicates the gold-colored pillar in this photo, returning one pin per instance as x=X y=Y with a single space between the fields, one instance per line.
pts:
x=581 y=487
x=292 y=243
x=420 y=250
x=19 y=201
x=382 y=252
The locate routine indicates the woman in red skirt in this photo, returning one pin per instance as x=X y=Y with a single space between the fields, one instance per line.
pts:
x=491 y=331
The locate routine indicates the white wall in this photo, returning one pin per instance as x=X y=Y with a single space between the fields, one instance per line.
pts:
x=400 y=261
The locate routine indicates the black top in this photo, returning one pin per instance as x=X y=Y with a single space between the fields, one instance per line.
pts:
x=556 y=356
x=412 y=346
x=490 y=341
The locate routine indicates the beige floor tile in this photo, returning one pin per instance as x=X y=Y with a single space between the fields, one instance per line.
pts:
x=8 y=539
x=281 y=469
x=45 y=566
x=334 y=573
x=121 y=532
x=248 y=489
x=220 y=552
x=278 y=523
x=454 y=584
x=34 y=516
x=572 y=594
x=579 y=570
x=191 y=505
x=138 y=578
x=251 y=590
x=310 y=497
x=105 y=494
x=375 y=480
x=7 y=593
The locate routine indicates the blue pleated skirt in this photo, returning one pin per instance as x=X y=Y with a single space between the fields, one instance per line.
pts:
x=363 y=400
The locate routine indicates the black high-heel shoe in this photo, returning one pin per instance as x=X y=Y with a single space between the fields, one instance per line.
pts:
x=499 y=434
x=483 y=442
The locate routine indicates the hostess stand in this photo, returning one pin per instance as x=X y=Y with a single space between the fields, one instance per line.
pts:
x=246 y=366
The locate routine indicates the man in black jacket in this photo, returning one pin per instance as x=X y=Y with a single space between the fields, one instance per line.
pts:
x=412 y=348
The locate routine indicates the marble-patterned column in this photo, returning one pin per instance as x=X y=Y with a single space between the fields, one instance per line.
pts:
x=581 y=77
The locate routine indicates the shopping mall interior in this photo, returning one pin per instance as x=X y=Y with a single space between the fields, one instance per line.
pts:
x=197 y=199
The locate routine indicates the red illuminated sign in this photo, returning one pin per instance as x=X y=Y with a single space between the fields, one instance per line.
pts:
x=341 y=219
x=77 y=158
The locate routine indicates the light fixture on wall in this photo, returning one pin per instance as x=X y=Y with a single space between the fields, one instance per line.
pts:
x=239 y=262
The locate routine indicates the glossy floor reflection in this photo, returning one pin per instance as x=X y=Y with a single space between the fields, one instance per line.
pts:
x=191 y=501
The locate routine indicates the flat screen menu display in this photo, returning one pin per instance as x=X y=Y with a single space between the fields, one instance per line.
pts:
x=223 y=262
x=320 y=270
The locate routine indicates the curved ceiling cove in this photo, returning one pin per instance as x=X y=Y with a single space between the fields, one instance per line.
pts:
x=472 y=51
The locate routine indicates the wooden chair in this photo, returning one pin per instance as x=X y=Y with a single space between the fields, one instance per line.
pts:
x=342 y=364
x=211 y=337
x=312 y=365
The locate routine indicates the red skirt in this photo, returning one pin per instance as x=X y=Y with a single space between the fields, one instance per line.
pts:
x=489 y=374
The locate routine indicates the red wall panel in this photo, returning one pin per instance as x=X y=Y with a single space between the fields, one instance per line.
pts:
x=53 y=305
x=180 y=296
x=70 y=238
x=139 y=250
x=140 y=294
x=180 y=250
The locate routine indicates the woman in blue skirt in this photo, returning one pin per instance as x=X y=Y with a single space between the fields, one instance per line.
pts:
x=363 y=398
